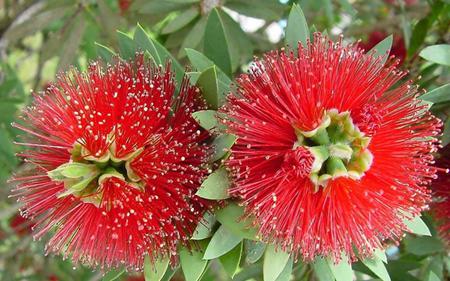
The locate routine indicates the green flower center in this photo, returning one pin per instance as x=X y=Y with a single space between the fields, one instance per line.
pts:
x=339 y=148
x=84 y=174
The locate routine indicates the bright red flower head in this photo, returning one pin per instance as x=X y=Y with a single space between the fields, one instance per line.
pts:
x=441 y=193
x=117 y=162
x=330 y=157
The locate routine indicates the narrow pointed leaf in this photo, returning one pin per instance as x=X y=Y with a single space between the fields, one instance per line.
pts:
x=207 y=82
x=231 y=217
x=438 y=95
x=181 y=20
x=192 y=263
x=383 y=48
x=126 y=46
x=230 y=261
x=104 y=52
x=341 y=271
x=215 y=186
x=159 y=53
x=221 y=243
x=204 y=227
x=417 y=226
x=297 y=28
x=285 y=275
x=275 y=261
x=322 y=271
x=216 y=45
x=254 y=250
x=194 y=37
x=206 y=118
x=222 y=145
x=155 y=271
x=145 y=44
x=201 y=63
x=380 y=254
x=376 y=265
x=437 y=53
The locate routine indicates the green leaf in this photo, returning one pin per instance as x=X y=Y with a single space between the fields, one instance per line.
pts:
x=158 y=7
x=157 y=50
x=231 y=217
x=341 y=271
x=322 y=271
x=198 y=60
x=438 y=95
x=380 y=254
x=285 y=275
x=254 y=250
x=437 y=53
x=71 y=43
x=143 y=43
x=383 y=48
x=208 y=84
x=376 y=265
x=206 y=118
x=240 y=46
x=417 y=226
x=230 y=261
x=192 y=263
x=104 y=52
x=418 y=36
x=181 y=20
x=266 y=9
x=216 y=44
x=204 y=227
x=222 y=145
x=201 y=63
x=113 y=275
x=221 y=243
x=423 y=245
x=297 y=28
x=215 y=186
x=433 y=277
x=155 y=271
x=194 y=37
x=275 y=261
x=127 y=48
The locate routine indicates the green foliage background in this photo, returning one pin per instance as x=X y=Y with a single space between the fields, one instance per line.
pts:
x=217 y=40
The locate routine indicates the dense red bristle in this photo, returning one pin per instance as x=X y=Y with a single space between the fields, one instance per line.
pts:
x=284 y=93
x=131 y=106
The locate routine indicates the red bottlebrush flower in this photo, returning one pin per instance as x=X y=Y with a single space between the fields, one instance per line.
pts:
x=398 y=48
x=329 y=157
x=441 y=192
x=118 y=160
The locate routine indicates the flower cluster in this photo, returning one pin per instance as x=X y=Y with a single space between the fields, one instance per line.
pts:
x=333 y=152
x=117 y=159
